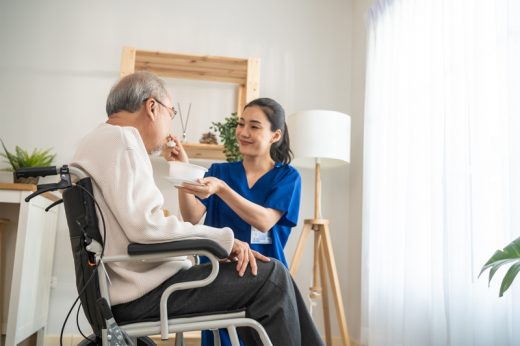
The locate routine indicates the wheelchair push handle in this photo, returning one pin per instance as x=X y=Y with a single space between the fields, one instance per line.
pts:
x=36 y=172
x=63 y=172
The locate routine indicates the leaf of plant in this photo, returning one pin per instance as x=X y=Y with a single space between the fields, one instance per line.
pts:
x=226 y=133
x=509 y=278
x=8 y=155
x=497 y=266
x=21 y=157
x=509 y=252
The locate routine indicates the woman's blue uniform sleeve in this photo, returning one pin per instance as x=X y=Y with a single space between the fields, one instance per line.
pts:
x=285 y=197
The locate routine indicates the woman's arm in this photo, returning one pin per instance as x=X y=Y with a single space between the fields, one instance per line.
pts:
x=191 y=208
x=263 y=219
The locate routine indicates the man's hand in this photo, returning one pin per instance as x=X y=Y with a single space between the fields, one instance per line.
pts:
x=172 y=150
x=244 y=256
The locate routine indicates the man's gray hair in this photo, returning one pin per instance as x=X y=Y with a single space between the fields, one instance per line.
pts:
x=132 y=90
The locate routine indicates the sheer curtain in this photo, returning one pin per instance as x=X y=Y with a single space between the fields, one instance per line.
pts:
x=442 y=174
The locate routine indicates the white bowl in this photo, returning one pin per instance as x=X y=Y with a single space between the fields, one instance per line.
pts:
x=185 y=172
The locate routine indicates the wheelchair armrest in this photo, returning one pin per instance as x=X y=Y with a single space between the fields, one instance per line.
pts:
x=210 y=249
x=135 y=249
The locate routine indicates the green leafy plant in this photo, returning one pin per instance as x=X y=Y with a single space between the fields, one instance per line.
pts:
x=509 y=254
x=226 y=131
x=21 y=158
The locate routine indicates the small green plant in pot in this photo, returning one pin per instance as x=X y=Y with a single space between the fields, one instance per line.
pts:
x=226 y=131
x=510 y=254
x=21 y=158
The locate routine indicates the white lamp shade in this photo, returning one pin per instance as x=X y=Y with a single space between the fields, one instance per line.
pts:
x=319 y=134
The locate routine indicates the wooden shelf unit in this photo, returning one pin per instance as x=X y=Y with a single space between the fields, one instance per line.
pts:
x=244 y=72
x=205 y=151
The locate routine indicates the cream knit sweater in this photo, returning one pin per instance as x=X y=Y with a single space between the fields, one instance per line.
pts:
x=117 y=161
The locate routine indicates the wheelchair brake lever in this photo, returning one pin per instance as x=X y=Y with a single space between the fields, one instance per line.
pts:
x=47 y=186
x=39 y=192
x=52 y=205
x=64 y=183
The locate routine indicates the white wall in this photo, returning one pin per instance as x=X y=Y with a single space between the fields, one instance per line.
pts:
x=58 y=60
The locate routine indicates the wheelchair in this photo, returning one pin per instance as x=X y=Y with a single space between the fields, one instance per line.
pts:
x=92 y=280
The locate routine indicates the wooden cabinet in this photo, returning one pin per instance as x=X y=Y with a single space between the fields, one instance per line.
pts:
x=27 y=255
x=243 y=72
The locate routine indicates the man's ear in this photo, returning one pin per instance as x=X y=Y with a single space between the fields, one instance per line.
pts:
x=150 y=108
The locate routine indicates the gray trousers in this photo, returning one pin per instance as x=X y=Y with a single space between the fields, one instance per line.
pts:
x=271 y=298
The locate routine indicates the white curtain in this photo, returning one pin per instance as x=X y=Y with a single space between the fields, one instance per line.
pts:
x=442 y=173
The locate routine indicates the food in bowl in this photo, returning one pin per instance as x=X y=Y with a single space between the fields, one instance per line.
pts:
x=181 y=172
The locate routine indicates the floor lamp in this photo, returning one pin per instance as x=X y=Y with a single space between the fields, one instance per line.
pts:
x=321 y=139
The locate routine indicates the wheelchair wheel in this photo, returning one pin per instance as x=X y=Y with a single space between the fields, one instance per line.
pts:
x=87 y=342
x=145 y=341
x=141 y=341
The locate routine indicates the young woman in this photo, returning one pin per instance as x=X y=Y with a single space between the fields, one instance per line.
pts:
x=258 y=197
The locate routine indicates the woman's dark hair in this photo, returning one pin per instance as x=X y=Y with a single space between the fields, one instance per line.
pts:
x=281 y=150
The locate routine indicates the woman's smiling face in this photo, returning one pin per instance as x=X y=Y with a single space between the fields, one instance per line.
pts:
x=254 y=133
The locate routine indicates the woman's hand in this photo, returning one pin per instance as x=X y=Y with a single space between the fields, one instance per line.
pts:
x=244 y=255
x=173 y=150
x=209 y=186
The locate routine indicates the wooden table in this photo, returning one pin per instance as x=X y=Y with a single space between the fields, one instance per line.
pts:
x=29 y=252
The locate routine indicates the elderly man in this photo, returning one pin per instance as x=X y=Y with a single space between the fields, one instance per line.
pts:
x=115 y=155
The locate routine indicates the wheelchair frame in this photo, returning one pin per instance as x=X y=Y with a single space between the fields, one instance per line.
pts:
x=89 y=226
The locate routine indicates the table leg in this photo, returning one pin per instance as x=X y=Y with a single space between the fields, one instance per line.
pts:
x=3 y=222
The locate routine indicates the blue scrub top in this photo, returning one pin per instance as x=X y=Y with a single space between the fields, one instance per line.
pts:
x=279 y=188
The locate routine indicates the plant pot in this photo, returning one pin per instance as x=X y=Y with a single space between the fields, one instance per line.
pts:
x=29 y=180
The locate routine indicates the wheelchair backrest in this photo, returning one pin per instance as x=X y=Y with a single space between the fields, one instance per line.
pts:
x=83 y=228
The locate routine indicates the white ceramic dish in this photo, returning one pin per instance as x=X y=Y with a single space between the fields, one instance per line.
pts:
x=179 y=182
x=185 y=172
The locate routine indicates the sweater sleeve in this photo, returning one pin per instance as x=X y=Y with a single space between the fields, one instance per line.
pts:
x=123 y=173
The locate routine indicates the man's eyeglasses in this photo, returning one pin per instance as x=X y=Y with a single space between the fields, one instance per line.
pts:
x=173 y=112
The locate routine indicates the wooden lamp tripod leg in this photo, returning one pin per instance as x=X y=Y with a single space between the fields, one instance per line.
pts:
x=323 y=255
x=307 y=228
x=324 y=291
x=325 y=266
x=315 y=289
x=333 y=277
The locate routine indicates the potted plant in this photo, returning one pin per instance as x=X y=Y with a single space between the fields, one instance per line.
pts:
x=21 y=158
x=508 y=255
x=226 y=131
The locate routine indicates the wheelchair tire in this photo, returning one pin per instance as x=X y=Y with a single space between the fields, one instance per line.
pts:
x=86 y=342
x=145 y=341
x=141 y=341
